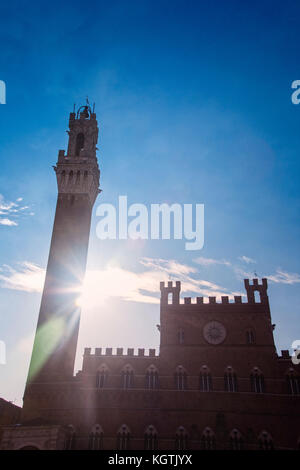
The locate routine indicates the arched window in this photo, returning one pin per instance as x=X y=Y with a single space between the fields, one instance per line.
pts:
x=180 y=336
x=181 y=439
x=79 y=143
x=70 y=437
x=180 y=378
x=63 y=177
x=127 y=377
x=101 y=376
x=170 y=298
x=96 y=438
x=265 y=441
x=152 y=378
x=293 y=382
x=257 y=381
x=71 y=177
x=78 y=177
x=123 y=438
x=250 y=337
x=235 y=440
x=150 y=438
x=230 y=380
x=208 y=439
x=205 y=382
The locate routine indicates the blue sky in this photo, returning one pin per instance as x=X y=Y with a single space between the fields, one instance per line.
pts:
x=193 y=101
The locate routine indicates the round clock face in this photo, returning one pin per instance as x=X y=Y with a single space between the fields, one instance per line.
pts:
x=214 y=332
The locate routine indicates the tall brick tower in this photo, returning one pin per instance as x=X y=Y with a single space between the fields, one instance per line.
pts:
x=78 y=177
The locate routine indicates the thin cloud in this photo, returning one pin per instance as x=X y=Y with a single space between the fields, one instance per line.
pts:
x=182 y=272
x=28 y=278
x=246 y=259
x=115 y=281
x=6 y=206
x=241 y=274
x=210 y=261
x=12 y=210
x=280 y=277
x=283 y=277
x=8 y=222
x=169 y=266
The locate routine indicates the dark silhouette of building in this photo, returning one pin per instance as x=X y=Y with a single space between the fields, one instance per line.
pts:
x=217 y=382
x=9 y=412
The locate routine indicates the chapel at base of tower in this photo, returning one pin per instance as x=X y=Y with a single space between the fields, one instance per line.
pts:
x=215 y=383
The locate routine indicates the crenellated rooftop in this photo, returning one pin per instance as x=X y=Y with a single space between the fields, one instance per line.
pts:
x=212 y=300
x=131 y=352
x=285 y=354
x=172 y=289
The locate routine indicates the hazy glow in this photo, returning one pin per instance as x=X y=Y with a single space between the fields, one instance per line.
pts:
x=47 y=338
x=79 y=301
x=139 y=285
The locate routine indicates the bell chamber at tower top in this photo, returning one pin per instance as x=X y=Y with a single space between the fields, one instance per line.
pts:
x=77 y=171
x=83 y=133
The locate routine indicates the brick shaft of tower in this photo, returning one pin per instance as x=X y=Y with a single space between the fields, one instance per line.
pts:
x=78 y=178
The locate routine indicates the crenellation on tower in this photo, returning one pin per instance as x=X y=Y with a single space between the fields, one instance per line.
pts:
x=256 y=287
x=172 y=290
x=170 y=296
